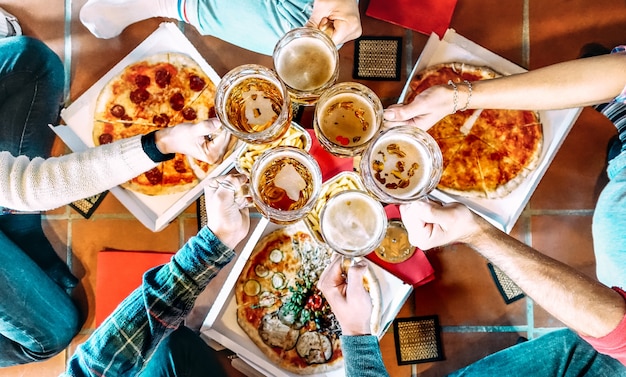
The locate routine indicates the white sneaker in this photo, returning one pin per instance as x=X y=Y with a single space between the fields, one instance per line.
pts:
x=10 y=27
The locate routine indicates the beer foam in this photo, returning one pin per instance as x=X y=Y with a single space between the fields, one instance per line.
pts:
x=305 y=63
x=351 y=222
x=289 y=180
x=258 y=107
x=348 y=120
x=415 y=153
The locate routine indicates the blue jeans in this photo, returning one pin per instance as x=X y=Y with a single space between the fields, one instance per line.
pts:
x=556 y=354
x=256 y=25
x=37 y=317
x=183 y=354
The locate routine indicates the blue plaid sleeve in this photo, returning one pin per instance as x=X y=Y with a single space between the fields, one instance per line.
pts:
x=124 y=342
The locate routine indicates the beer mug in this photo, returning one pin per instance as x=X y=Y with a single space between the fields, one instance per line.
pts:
x=307 y=61
x=347 y=117
x=284 y=185
x=253 y=104
x=353 y=223
x=401 y=165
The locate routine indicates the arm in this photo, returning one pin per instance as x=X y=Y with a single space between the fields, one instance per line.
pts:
x=346 y=295
x=340 y=19
x=580 y=302
x=575 y=83
x=43 y=184
x=127 y=338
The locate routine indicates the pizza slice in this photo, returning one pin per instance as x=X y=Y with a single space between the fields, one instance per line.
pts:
x=500 y=173
x=147 y=183
x=462 y=174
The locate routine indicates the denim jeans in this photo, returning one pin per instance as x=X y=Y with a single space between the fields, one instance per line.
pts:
x=37 y=317
x=183 y=354
x=561 y=353
x=258 y=28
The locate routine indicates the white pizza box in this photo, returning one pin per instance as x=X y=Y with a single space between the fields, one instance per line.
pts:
x=221 y=324
x=502 y=212
x=155 y=212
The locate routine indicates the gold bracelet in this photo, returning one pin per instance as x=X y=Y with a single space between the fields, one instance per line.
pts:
x=469 y=96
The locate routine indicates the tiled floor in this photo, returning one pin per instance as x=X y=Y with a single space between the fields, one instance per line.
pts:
x=556 y=221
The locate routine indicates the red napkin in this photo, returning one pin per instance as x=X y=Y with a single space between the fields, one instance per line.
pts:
x=119 y=273
x=424 y=16
x=329 y=164
x=416 y=270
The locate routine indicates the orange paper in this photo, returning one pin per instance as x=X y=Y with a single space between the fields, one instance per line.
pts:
x=119 y=273
x=424 y=16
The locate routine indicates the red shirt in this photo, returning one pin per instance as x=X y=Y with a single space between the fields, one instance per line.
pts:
x=614 y=343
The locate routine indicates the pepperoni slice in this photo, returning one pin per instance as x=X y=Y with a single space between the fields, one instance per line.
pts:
x=189 y=113
x=177 y=101
x=142 y=81
x=154 y=176
x=196 y=83
x=162 y=77
x=161 y=120
x=212 y=112
x=139 y=95
x=179 y=166
x=105 y=139
x=117 y=111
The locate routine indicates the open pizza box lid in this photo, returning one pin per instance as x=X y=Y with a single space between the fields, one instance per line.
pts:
x=221 y=324
x=155 y=212
x=502 y=212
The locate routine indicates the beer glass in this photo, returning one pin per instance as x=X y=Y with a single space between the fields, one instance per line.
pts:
x=284 y=184
x=346 y=118
x=253 y=104
x=307 y=61
x=353 y=223
x=401 y=165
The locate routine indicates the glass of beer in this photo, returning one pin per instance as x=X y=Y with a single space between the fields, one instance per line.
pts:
x=306 y=59
x=284 y=184
x=353 y=223
x=253 y=104
x=401 y=165
x=346 y=118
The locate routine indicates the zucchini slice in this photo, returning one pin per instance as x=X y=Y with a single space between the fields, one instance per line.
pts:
x=252 y=287
x=279 y=280
x=276 y=256
x=261 y=271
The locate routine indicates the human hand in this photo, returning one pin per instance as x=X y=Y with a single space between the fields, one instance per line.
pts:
x=431 y=224
x=347 y=295
x=225 y=218
x=191 y=140
x=340 y=17
x=426 y=109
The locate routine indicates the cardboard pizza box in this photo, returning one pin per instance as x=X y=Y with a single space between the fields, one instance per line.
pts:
x=502 y=212
x=221 y=324
x=155 y=212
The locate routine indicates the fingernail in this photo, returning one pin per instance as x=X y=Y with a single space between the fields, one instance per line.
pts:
x=389 y=115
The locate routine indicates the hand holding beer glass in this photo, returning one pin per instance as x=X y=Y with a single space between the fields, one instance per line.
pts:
x=347 y=117
x=253 y=104
x=284 y=185
x=307 y=61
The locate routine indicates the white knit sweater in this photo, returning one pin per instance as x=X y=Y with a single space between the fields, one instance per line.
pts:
x=42 y=184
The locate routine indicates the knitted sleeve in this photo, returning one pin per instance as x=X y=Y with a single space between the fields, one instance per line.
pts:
x=362 y=357
x=42 y=184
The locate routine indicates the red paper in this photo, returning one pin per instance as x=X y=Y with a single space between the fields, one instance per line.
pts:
x=119 y=273
x=416 y=270
x=424 y=16
x=329 y=164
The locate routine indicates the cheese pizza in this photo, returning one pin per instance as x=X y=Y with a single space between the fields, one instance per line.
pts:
x=486 y=153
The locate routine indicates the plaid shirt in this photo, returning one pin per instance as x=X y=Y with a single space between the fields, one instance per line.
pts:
x=124 y=342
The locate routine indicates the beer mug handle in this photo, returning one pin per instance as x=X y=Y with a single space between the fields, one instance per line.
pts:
x=243 y=194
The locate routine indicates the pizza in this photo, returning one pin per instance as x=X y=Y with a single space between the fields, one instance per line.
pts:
x=280 y=308
x=159 y=91
x=486 y=153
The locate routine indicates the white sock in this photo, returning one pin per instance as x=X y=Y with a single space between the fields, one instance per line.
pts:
x=108 y=18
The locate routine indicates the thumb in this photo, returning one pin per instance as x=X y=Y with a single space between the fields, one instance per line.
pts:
x=355 y=280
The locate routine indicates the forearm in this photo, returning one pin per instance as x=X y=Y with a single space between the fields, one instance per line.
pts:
x=575 y=83
x=126 y=339
x=40 y=184
x=580 y=302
